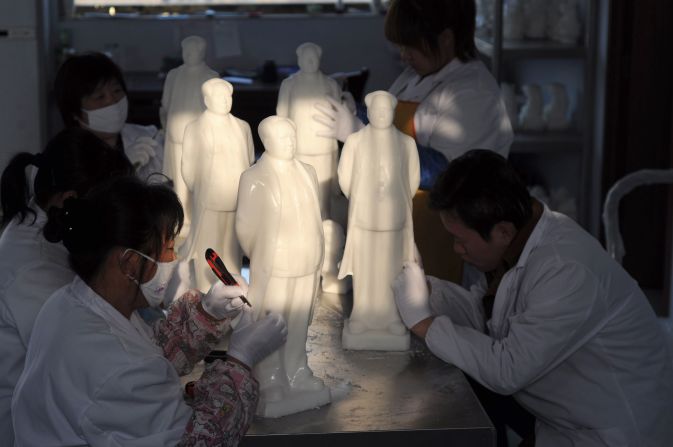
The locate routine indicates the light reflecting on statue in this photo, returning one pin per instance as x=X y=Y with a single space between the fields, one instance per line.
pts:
x=217 y=148
x=379 y=172
x=279 y=227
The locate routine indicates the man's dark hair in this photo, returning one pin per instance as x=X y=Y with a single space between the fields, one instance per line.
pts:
x=481 y=188
x=418 y=24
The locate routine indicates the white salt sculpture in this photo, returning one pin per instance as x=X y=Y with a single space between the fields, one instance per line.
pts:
x=513 y=20
x=379 y=172
x=296 y=98
x=567 y=27
x=535 y=16
x=555 y=113
x=335 y=241
x=508 y=95
x=279 y=227
x=530 y=116
x=182 y=103
x=217 y=148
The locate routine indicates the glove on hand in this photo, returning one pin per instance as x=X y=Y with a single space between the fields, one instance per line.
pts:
x=338 y=119
x=251 y=343
x=223 y=301
x=411 y=294
x=141 y=151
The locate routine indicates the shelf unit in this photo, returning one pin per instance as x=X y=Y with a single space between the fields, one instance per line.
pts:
x=573 y=147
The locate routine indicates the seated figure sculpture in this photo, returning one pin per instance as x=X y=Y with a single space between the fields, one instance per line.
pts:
x=217 y=148
x=379 y=172
x=279 y=227
x=182 y=103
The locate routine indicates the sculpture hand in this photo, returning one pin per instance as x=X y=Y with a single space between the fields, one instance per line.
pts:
x=411 y=294
x=251 y=343
x=338 y=119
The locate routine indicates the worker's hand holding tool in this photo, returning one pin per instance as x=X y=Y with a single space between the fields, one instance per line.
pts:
x=224 y=301
x=251 y=343
x=141 y=151
x=411 y=294
x=339 y=120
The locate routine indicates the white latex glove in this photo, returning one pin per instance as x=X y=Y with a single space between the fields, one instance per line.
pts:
x=251 y=343
x=223 y=301
x=338 y=119
x=141 y=151
x=411 y=294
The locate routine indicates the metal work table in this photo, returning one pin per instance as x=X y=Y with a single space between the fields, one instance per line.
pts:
x=395 y=398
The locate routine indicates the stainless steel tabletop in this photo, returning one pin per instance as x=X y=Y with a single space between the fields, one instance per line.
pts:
x=395 y=398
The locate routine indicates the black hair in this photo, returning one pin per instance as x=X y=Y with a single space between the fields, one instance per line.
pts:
x=78 y=77
x=122 y=212
x=482 y=189
x=74 y=160
x=418 y=24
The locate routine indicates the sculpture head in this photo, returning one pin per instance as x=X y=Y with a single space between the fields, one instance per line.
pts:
x=380 y=109
x=308 y=57
x=193 y=50
x=217 y=95
x=279 y=136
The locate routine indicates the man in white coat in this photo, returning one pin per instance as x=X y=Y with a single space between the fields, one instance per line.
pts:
x=217 y=148
x=279 y=227
x=182 y=103
x=379 y=173
x=559 y=325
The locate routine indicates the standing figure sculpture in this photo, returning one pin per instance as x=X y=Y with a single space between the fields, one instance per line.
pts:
x=182 y=103
x=217 y=148
x=379 y=172
x=279 y=227
x=296 y=98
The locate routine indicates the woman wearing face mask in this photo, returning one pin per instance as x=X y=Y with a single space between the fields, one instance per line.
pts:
x=31 y=268
x=91 y=93
x=96 y=374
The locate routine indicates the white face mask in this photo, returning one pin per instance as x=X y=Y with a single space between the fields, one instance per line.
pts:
x=108 y=119
x=155 y=289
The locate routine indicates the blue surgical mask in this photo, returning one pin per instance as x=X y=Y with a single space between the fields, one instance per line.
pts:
x=154 y=290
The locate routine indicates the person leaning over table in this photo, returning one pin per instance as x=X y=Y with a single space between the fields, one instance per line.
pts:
x=448 y=102
x=97 y=374
x=558 y=325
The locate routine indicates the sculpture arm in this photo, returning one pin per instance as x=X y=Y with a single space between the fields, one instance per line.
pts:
x=414 y=166
x=283 y=105
x=246 y=216
x=166 y=99
x=189 y=155
x=250 y=143
x=345 y=169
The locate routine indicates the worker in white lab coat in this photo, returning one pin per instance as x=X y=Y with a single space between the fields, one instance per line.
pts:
x=559 y=325
x=91 y=93
x=448 y=102
x=31 y=268
x=96 y=374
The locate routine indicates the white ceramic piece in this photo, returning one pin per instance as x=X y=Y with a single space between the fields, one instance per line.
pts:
x=296 y=100
x=335 y=241
x=182 y=103
x=513 y=20
x=279 y=227
x=508 y=94
x=379 y=173
x=567 y=27
x=535 y=18
x=555 y=113
x=217 y=148
x=530 y=116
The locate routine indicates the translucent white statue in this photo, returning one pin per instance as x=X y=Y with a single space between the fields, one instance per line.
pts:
x=296 y=98
x=379 y=172
x=530 y=116
x=335 y=241
x=555 y=113
x=535 y=18
x=513 y=20
x=279 y=226
x=217 y=148
x=508 y=95
x=181 y=103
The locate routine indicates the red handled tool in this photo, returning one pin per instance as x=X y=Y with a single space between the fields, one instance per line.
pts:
x=221 y=271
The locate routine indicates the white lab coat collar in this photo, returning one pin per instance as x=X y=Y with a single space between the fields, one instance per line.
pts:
x=119 y=324
x=535 y=236
x=423 y=87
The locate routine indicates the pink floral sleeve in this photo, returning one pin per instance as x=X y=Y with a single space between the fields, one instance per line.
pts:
x=224 y=403
x=187 y=335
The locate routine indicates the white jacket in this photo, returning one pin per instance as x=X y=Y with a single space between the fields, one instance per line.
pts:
x=94 y=377
x=460 y=109
x=131 y=132
x=31 y=269
x=573 y=339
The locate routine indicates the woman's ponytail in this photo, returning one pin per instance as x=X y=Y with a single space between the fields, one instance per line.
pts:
x=14 y=188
